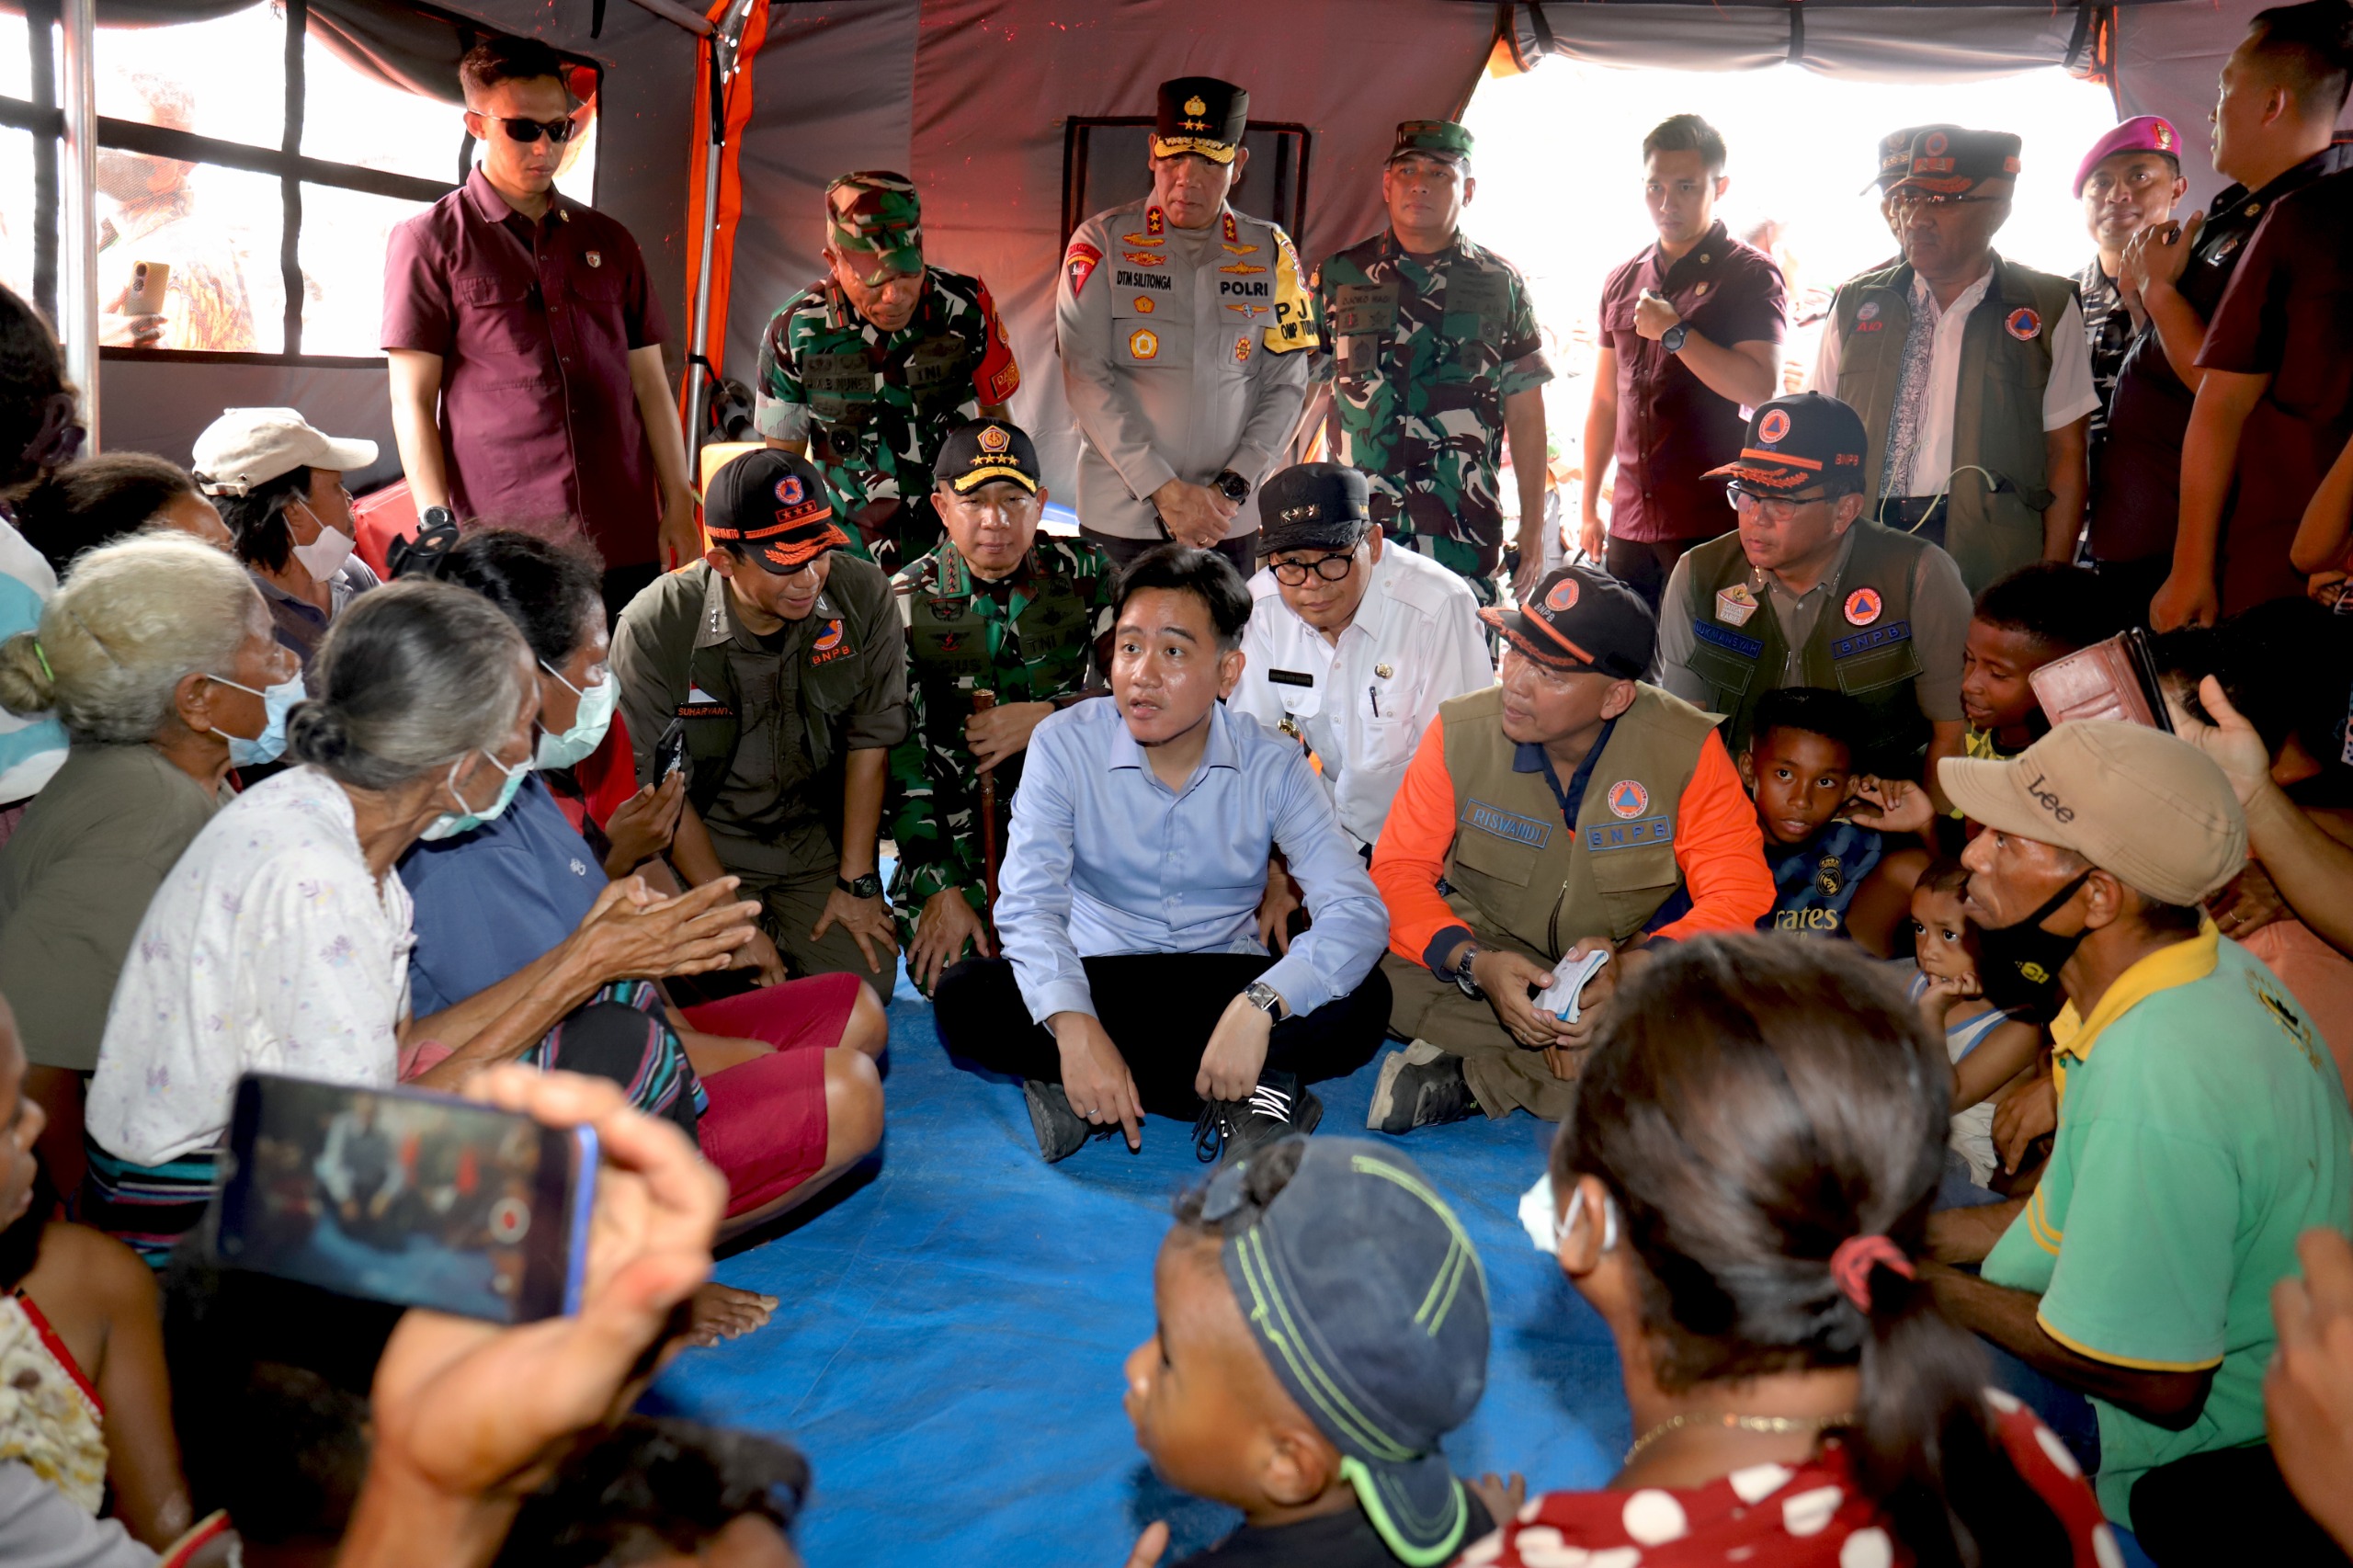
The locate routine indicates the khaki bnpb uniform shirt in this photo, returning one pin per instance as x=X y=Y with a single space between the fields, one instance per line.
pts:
x=1184 y=353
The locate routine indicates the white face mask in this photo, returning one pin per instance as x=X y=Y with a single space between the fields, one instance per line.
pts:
x=323 y=556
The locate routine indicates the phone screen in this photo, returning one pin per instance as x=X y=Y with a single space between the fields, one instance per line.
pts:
x=670 y=751
x=407 y=1196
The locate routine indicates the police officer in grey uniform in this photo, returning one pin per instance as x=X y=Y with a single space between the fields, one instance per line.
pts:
x=1186 y=331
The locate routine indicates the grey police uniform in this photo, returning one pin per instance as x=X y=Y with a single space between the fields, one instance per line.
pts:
x=1185 y=353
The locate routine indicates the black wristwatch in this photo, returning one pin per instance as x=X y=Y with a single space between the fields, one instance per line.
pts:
x=435 y=517
x=1672 y=339
x=1233 y=484
x=868 y=886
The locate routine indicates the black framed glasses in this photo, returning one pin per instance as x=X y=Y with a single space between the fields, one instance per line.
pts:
x=1777 y=509
x=1331 y=568
x=1905 y=201
x=520 y=129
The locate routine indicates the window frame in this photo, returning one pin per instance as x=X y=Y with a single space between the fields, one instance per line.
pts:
x=46 y=121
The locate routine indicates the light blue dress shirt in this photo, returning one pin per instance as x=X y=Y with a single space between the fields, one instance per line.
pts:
x=1103 y=857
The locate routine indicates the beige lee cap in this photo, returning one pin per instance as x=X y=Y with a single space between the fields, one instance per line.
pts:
x=2146 y=806
x=247 y=447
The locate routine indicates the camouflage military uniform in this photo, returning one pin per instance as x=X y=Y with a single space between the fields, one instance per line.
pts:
x=1425 y=350
x=873 y=406
x=1041 y=634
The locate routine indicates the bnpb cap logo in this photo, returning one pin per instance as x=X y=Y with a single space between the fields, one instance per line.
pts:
x=995 y=439
x=1563 y=596
x=827 y=640
x=789 y=490
x=2023 y=323
x=1627 y=798
x=1773 y=427
x=1935 y=145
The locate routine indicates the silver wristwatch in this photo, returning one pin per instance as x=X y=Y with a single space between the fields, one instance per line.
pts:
x=1461 y=973
x=1263 y=997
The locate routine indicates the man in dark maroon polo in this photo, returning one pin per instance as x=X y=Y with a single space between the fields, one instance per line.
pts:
x=1690 y=333
x=526 y=344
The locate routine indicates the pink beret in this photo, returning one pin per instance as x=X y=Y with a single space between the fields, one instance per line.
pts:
x=2141 y=134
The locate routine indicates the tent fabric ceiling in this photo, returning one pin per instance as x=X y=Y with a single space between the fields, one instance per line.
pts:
x=1866 y=40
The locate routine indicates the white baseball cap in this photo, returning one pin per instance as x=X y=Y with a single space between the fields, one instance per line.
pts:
x=247 y=447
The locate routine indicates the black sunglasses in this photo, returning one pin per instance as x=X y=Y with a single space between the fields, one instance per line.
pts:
x=556 y=130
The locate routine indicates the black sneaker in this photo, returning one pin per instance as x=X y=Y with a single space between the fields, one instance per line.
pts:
x=1278 y=1108
x=1061 y=1130
x=1420 y=1086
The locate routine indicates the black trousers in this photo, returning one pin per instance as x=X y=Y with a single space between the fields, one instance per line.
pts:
x=2230 y=1506
x=1159 y=1009
x=1242 y=552
x=1644 y=564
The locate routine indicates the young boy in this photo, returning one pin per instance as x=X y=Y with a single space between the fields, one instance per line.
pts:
x=1832 y=877
x=1323 y=1323
x=2021 y=623
x=1988 y=1046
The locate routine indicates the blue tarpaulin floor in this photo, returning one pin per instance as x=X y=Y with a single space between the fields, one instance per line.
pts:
x=948 y=1350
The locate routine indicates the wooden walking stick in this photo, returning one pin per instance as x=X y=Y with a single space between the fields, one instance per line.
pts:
x=982 y=702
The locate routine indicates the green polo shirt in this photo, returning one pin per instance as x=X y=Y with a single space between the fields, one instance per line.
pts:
x=2206 y=1132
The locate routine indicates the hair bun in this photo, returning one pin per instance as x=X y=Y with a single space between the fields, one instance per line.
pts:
x=315 y=733
x=27 y=687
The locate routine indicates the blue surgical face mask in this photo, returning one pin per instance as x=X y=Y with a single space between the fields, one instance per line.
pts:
x=467 y=819
x=588 y=726
x=270 y=744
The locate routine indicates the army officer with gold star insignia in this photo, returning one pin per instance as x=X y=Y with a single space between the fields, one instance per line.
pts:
x=1186 y=332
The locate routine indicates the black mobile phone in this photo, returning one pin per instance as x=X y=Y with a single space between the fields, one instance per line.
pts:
x=670 y=751
x=404 y=1196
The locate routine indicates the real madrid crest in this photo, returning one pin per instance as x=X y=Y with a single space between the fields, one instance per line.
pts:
x=1826 y=877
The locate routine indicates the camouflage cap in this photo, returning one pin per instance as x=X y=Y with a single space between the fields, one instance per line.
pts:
x=876 y=213
x=1432 y=138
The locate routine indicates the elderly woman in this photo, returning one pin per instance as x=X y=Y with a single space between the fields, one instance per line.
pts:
x=101 y=499
x=158 y=655
x=795 y=1100
x=1741 y=1190
x=279 y=483
x=280 y=941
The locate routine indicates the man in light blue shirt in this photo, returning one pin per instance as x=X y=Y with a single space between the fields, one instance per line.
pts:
x=1134 y=976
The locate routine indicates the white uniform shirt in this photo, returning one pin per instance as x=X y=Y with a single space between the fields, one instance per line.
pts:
x=271 y=948
x=2067 y=396
x=1361 y=705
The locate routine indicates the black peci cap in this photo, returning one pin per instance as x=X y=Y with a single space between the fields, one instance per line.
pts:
x=1314 y=506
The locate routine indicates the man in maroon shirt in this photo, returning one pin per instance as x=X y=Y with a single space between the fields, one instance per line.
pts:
x=1690 y=333
x=526 y=344
x=2277 y=358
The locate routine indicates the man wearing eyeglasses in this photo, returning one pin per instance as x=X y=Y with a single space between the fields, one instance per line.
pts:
x=524 y=342
x=865 y=372
x=1808 y=591
x=1970 y=372
x=1352 y=644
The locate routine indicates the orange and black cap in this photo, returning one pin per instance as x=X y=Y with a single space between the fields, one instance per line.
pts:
x=1803 y=439
x=772 y=508
x=1577 y=618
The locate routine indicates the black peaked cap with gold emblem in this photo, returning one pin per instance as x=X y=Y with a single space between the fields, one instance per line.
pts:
x=1201 y=114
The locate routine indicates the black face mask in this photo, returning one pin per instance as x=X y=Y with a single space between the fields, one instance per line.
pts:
x=2019 y=963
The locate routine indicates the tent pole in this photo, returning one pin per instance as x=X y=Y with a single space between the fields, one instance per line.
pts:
x=77 y=299
x=722 y=43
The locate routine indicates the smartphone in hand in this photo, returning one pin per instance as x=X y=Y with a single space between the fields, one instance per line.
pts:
x=407 y=1196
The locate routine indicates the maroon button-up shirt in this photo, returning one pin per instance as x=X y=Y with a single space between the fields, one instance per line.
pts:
x=534 y=324
x=1671 y=428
